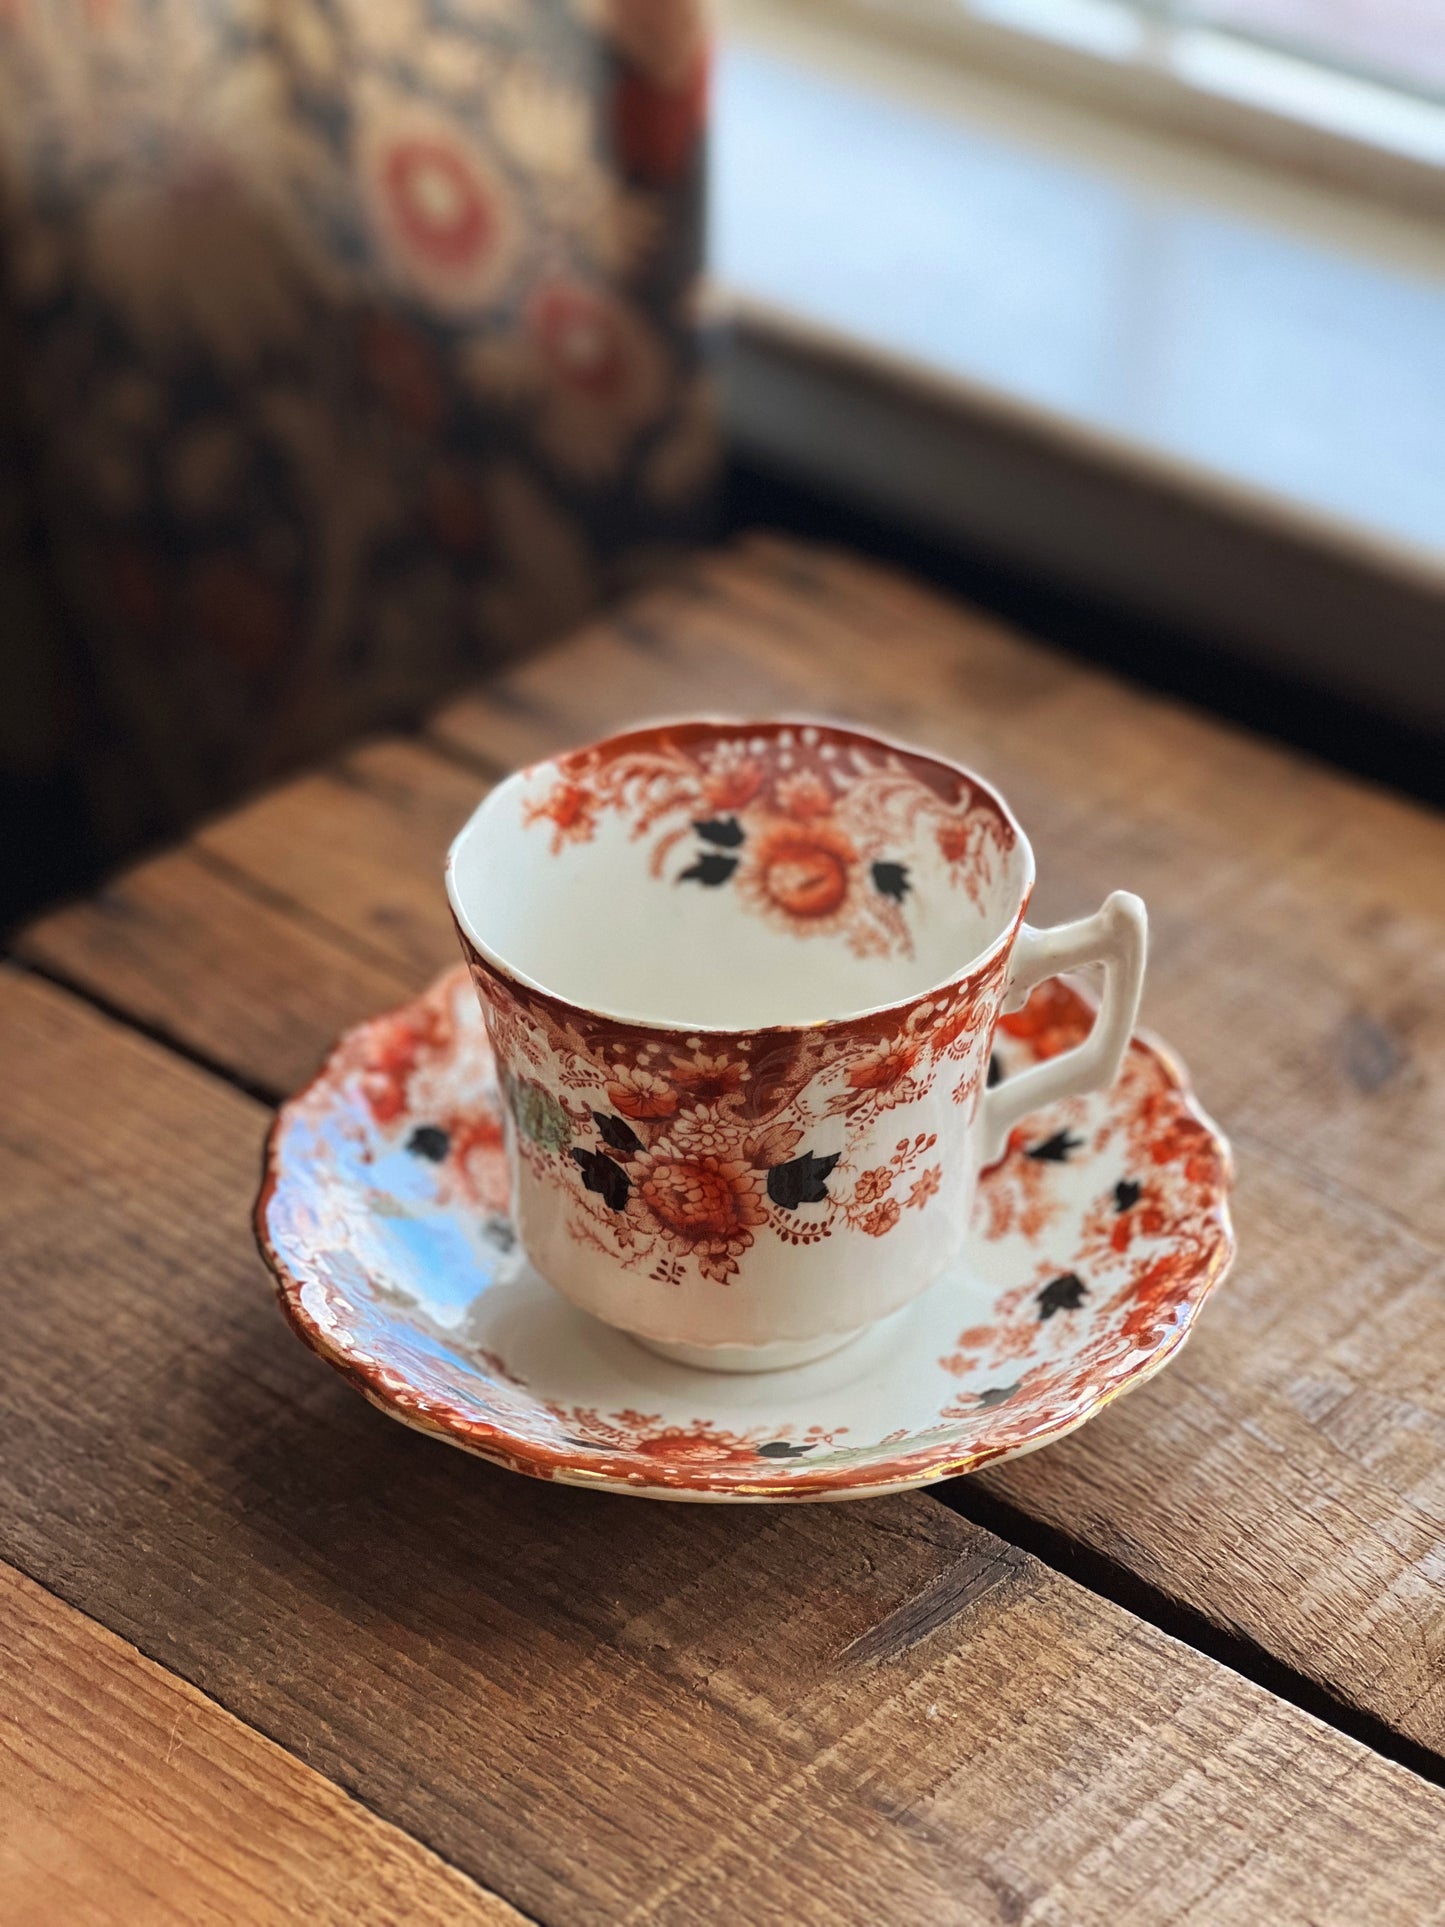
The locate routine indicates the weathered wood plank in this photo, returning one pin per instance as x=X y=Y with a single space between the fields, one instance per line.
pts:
x=1287 y=1476
x=283 y=923
x=360 y=847
x=206 y=955
x=128 y=1796
x=603 y=1709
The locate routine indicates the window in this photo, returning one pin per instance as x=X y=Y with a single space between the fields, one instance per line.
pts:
x=1399 y=42
x=997 y=275
x=1352 y=90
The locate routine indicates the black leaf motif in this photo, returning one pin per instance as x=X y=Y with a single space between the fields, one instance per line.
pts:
x=1064 y=1293
x=998 y=1394
x=618 y=1133
x=710 y=869
x=609 y=1180
x=1126 y=1194
x=802 y=1180
x=780 y=1449
x=723 y=830
x=429 y=1141
x=891 y=880
x=995 y=1070
x=1055 y=1149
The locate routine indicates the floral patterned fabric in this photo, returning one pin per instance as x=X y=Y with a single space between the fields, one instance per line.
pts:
x=355 y=341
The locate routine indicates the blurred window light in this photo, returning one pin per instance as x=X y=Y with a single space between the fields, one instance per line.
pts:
x=1103 y=27
x=1398 y=42
x=1396 y=46
x=1362 y=109
x=1340 y=77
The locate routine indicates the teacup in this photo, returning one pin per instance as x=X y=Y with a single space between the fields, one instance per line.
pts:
x=742 y=980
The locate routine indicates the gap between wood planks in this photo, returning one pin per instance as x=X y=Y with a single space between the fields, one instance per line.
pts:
x=1097 y=1573
x=1082 y=1564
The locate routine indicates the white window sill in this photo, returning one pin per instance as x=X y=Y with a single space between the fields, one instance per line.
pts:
x=1140 y=367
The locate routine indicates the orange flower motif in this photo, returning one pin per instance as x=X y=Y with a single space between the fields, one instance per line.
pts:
x=804 y=870
x=716 y=1448
x=1053 y=1020
x=954 y=839
x=886 y=1066
x=925 y=1186
x=953 y=1026
x=774 y=1145
x=804 y=796
x=1145 y=1220
x=701 y=1199
x=641 y=1094
x=699 y=1130
x=705 y=1079
x=569 y=809
x=873 y=1185
x=394 y=1047
x=882 y=1218
x=732 y=782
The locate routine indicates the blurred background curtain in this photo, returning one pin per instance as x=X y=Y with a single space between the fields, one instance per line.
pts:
x=347 y=344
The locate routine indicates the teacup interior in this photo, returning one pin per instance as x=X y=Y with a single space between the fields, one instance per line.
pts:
x=731 y=876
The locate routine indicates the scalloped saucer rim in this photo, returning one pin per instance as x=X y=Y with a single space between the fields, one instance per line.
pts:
x=1036 y=1204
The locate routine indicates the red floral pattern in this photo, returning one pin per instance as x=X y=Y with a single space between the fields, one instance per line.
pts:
x=808 y=825
x=677 y=1156
x=1076 y=1313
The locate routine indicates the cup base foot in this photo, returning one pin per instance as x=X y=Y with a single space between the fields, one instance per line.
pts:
x=777 y=1357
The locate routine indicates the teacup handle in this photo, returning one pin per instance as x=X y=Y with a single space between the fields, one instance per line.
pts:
x=1116 y=936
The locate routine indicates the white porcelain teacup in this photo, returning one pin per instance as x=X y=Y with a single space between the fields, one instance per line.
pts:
x=742 y=981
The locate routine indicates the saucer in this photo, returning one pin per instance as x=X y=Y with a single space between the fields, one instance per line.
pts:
x=383 y=1214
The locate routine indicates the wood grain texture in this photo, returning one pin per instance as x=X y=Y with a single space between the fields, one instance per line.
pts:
x=283 y=923
x=360 y=847
x=233 y=971
x=1287 y=1475
x=128 y=1797
x=604 y=1710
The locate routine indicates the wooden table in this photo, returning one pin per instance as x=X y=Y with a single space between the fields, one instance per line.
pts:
x=266 y=1655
